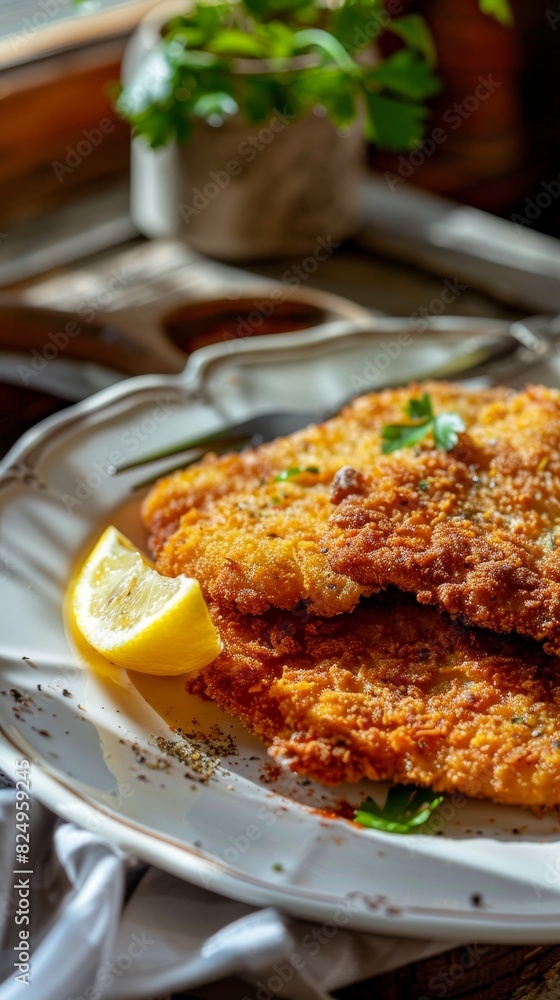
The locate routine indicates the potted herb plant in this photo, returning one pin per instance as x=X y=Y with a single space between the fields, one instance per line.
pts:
x=250 y=117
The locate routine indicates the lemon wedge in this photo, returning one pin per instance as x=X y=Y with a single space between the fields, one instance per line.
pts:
x=137 y=618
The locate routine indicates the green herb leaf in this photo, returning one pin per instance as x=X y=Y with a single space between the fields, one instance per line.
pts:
x=357 y=23
x=294 y=471
x=407 y=73
x=277 y=39
x=327 y=46
x=215 y=107
x=499 y=9
x=194 y=59
x=193 y=73
x=329 y=86
x=447 y=427
x=415 y=32
x=406 y=808
x=258 y=97
x=393 y=124
x=395 y=436
x=236 y=43
x=418 y=409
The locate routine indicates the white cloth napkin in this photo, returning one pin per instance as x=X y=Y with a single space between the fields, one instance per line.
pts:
x=107 y=927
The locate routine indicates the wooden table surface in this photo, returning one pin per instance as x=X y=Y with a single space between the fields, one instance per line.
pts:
x=479 y=971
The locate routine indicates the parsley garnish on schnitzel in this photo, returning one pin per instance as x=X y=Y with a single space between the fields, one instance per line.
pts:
x=406 y=808
x=295 y=471
x=445 y=427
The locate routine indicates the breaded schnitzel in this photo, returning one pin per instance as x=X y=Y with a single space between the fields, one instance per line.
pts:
x=476 y=530
x=394 y=691
x=256 y=541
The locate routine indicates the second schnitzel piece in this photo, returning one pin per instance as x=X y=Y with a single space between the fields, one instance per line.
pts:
x=476 y=530
x=248 y=526
x=394 y=691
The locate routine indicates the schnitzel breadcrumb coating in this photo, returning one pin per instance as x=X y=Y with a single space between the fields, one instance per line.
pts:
x=256 y=541
x=394 y=691
x=476 y=530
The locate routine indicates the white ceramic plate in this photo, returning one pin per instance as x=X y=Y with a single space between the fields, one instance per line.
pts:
x=207 y=804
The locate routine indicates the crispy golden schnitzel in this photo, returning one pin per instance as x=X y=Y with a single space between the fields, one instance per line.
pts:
x=290 y=539
x=476 y=530
x=248 y=526
x=396 y=691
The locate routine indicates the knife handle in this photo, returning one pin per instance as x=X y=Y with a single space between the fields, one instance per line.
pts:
x=33 y=328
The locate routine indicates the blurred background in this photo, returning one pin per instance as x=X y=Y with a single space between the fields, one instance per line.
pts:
x=57 y=63
x=67 y=234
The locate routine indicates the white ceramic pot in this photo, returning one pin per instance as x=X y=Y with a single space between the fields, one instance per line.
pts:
x=241 y=191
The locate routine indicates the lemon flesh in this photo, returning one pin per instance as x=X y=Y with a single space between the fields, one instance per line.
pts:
x=139 y=619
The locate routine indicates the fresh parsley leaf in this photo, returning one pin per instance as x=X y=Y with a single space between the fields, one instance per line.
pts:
x=392 y=123
x=447 y=427
x=417 y=409
x=395 y=436
x=276 y=38
x=357 y=23
x=329 y=86
x=415 y=32
x=407 y=73
x=294 y=471
x=406 y=808
x=236 y=43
